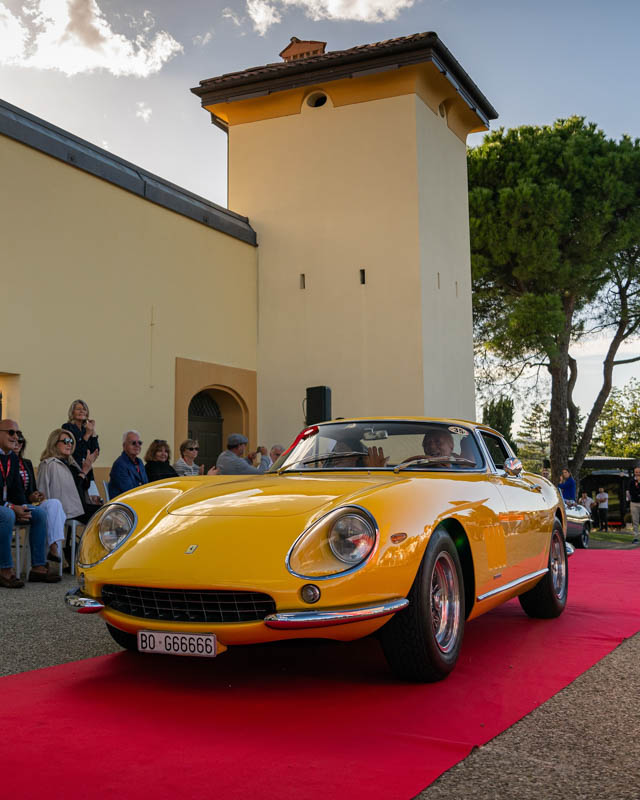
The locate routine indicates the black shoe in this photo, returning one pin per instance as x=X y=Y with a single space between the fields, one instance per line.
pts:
x=43 y=577
x=635 y=541
x=51 y=556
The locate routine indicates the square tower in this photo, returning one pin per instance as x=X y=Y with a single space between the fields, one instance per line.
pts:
x=352 y=168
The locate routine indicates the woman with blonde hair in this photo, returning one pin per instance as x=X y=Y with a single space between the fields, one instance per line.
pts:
x=83 y=430
x=60 y=476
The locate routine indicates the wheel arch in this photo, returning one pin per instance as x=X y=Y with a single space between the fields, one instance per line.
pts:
x=460 y=539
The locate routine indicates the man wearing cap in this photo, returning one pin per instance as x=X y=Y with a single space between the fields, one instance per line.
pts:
x=232 y=461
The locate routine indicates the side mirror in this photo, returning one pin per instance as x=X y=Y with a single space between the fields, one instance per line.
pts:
x=513 y=467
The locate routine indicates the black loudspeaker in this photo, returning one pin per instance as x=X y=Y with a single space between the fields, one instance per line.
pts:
x=318 y=408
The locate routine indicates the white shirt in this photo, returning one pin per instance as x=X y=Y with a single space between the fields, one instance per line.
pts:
x=602 y=499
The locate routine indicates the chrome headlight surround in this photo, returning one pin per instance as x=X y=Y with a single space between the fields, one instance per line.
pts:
x=111 y=526
x=334 y=533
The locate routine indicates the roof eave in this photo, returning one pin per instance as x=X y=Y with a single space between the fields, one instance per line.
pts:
x=249 y=84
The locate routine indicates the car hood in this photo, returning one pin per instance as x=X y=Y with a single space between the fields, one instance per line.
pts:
x=277 y=496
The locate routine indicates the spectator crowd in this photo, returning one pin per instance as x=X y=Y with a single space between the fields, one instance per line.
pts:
x=64 y=488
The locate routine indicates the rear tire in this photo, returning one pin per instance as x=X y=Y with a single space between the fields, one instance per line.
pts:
x=127 y=640
x=422 y=643
x=582 y=542
x=548 y=597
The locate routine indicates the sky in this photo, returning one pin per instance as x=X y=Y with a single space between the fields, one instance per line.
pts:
x=118 y=73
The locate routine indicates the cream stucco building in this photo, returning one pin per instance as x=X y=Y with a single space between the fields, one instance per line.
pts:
x=348 y=242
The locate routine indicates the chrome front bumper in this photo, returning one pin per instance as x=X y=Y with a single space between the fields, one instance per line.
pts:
x=82 y=603
x=289 y=620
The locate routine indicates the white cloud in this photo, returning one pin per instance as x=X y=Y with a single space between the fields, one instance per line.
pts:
x=144 y=111
x=265 y=13
x=229 y=13
x=202 y=39
x=13 y=36
x=74 y=36
x=597 y=346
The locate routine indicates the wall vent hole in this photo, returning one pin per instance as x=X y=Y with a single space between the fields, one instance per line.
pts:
x=316 y=99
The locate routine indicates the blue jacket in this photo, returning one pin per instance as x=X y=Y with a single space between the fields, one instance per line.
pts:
x=125 y=476
x=568 y=489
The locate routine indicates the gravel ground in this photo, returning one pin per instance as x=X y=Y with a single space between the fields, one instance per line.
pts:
x=37 y=630
x=582 y=743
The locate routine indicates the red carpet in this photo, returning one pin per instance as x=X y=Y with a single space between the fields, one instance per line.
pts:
x=305 y=720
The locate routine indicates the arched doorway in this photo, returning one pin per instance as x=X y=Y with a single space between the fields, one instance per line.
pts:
x=205 y=425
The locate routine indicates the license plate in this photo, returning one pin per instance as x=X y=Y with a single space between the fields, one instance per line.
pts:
x=178 y=644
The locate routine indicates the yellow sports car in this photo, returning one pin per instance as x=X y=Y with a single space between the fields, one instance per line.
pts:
x=404 y=527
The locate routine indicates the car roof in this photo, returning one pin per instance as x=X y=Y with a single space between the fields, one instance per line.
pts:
x=444 y=420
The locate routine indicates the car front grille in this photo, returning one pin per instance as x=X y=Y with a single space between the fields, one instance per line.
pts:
x=188 y=605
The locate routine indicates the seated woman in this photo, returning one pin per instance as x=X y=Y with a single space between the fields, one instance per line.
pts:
x=186 y=465
x=52 y=507
x=60 y=476
x=158 y=461
x=355 y=456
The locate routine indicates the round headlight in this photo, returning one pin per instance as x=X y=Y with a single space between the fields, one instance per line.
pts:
x=351 y=538
x=115 y=525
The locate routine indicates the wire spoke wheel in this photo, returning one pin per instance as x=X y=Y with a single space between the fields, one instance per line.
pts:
x=445 y=602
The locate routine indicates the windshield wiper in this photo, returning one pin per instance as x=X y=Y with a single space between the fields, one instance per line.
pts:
x=315 y=459
x=412 y=462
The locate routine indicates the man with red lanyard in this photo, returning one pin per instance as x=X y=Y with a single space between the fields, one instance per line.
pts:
x=14 y=509
x=127 y=470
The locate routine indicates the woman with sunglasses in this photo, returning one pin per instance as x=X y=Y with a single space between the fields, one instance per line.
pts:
x=186 y=465
x=53 y=508
x=158 y=461
x=59 y=476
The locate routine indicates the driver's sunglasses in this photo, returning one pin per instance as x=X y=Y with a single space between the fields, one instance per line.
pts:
x=12 y=432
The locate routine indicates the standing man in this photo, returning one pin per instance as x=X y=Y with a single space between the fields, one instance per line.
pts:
x=633 y=496
x=567 y=485
x=602 y=499
x=14 y=509
x=128 y=470
x=232 y=462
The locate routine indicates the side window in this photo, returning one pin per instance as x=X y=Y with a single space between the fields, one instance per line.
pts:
x=496 y=448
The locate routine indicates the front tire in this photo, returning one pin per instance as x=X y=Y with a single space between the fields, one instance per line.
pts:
x=127 y=640
x=422 y=643
x=548 y=597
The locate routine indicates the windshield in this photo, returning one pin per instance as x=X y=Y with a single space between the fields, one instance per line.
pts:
x=382 y=445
